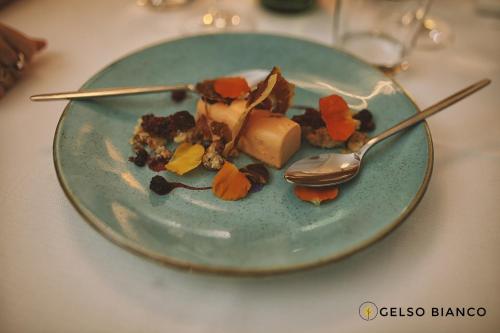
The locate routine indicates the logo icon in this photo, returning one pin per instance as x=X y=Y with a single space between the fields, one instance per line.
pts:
x=368 y=311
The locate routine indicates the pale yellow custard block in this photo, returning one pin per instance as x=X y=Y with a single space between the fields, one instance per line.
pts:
x=269 y=137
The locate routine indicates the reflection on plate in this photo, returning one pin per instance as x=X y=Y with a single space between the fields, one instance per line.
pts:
x=268 y=232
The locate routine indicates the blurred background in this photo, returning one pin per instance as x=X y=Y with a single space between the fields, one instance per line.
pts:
x=58 y=275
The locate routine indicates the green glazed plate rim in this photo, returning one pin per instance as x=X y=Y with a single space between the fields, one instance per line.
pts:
x=135 y=248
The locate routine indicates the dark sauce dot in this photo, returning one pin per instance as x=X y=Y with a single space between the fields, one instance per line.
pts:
x=160 y=185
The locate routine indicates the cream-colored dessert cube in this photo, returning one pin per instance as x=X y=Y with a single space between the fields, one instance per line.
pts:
x=269 y=137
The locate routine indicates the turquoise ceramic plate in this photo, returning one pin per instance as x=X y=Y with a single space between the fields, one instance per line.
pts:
x=267 y=232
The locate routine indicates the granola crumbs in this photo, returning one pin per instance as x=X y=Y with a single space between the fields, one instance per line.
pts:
x=321 y=138
x=212 y=159
x=356 y=141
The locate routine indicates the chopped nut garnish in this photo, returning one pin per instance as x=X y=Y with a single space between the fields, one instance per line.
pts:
x=162 y=152
x=212 y=159
x=321 y=138
x=356 y=141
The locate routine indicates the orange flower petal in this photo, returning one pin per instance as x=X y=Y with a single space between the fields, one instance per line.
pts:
x=334 y=104
x=186 y=158
x=342 y=130
x=230 y=183
x=231 y=87
x=316 y=195
x=337 y=117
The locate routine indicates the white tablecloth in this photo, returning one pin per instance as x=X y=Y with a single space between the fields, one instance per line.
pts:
x=58 y=275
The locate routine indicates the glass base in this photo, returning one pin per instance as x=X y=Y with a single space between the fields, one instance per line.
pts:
x=380 y=50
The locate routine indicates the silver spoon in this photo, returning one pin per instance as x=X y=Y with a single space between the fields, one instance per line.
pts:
x=332 y=169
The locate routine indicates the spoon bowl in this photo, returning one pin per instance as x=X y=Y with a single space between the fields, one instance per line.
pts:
x=322 y=170
x=333 y=169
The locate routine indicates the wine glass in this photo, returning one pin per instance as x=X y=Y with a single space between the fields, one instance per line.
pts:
x=381 y=32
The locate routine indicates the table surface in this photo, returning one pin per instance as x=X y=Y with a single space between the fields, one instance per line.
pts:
x=58 y=275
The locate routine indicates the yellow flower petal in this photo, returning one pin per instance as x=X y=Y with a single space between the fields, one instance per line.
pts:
x=186 y=158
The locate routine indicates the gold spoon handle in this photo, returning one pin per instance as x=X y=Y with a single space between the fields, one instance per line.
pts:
x=106 y=92
x=443 y=104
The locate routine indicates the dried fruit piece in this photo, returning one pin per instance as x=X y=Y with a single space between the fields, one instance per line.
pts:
x=231 y=87
x=311 y=118
x=140 y=158
x=167 y=127
x=208 y=94
x=337 y=117
x=366 y=119
x=182 y=120
x=230 y=183
x=157 y=164
x=156 y=126
x=186 y=158
x=316 y=195
x=178 y=95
